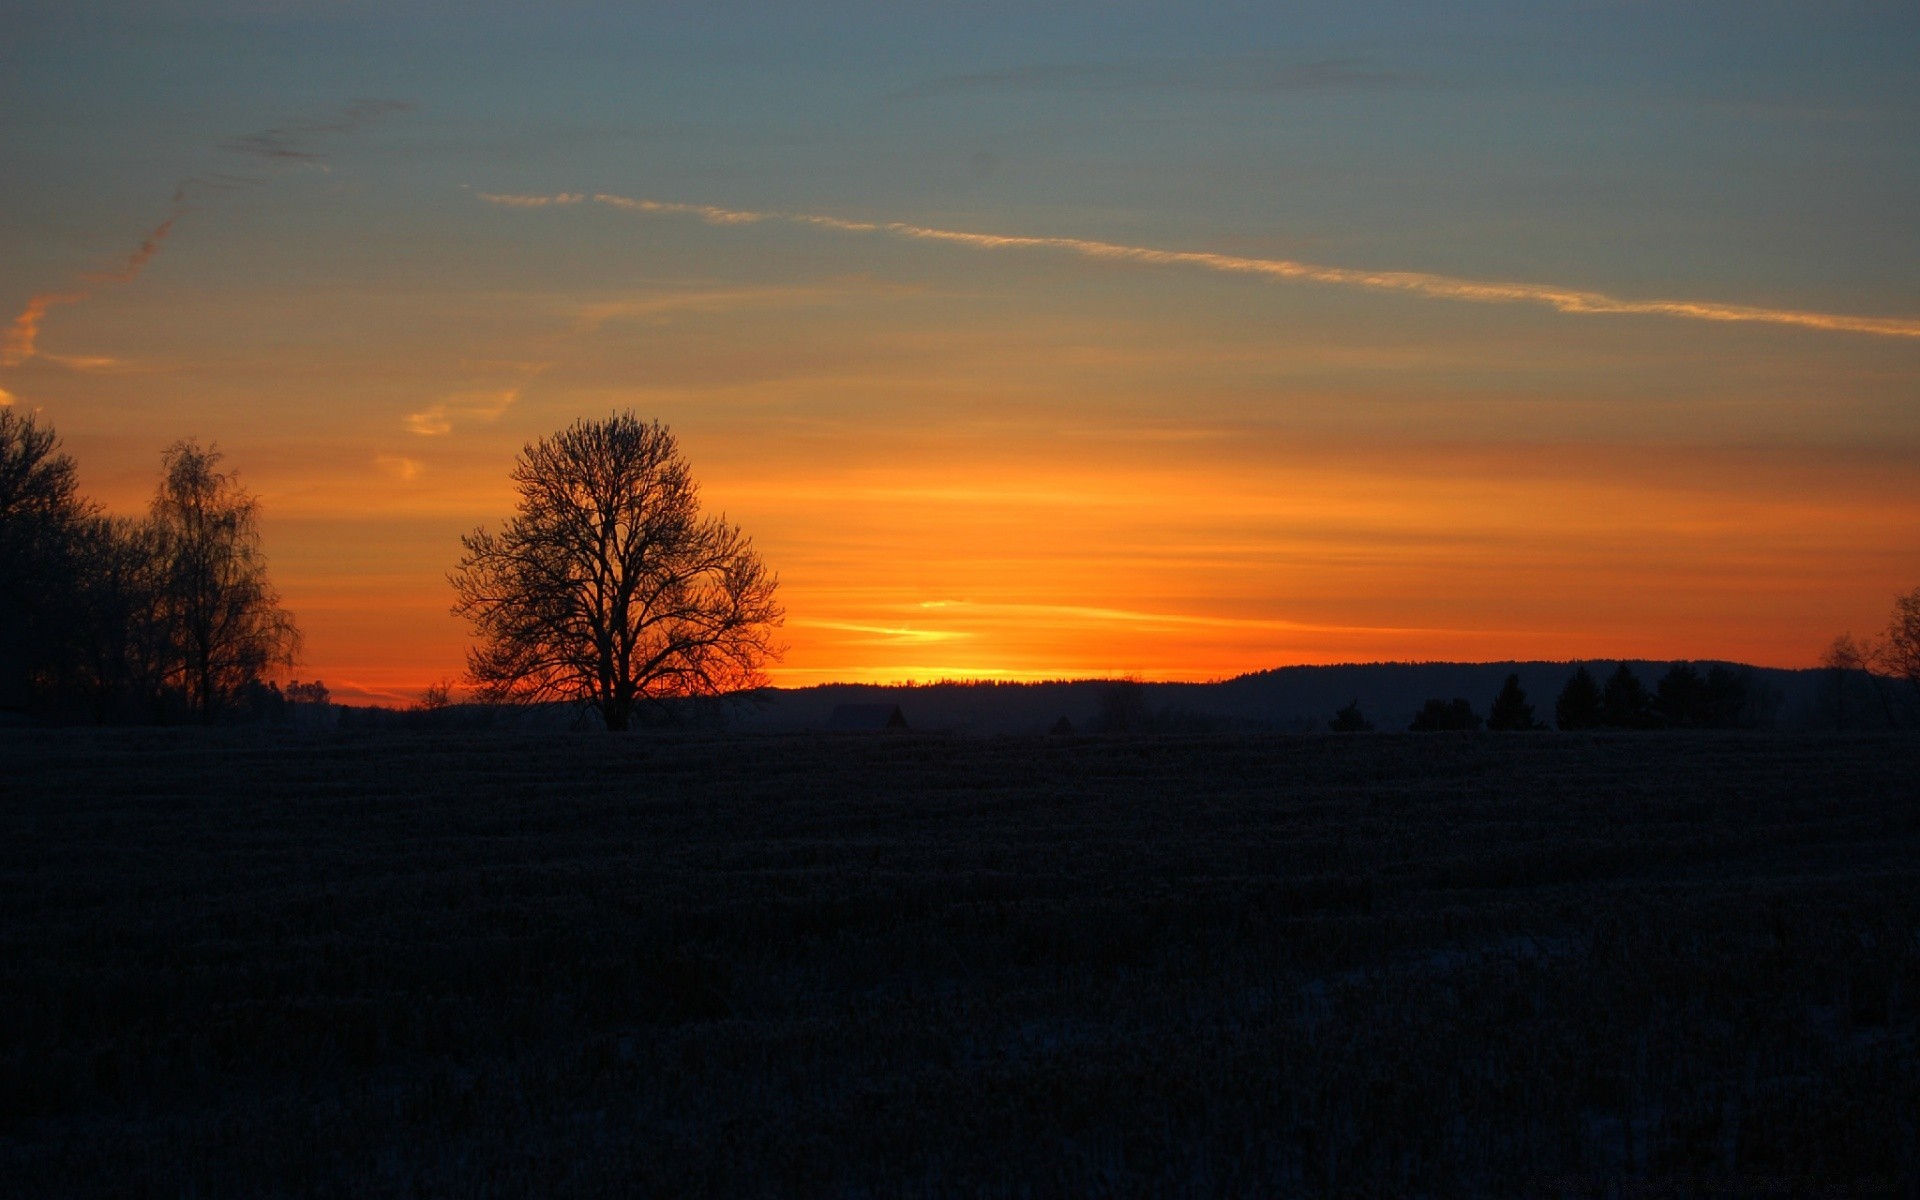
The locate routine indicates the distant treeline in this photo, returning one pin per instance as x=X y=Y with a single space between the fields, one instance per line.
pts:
x=1391 y=696
x=1720 y=697
x=167 y=617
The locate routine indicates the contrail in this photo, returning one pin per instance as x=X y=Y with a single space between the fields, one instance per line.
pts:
x=1417 y=283
x=136 y=262
x=269 y=146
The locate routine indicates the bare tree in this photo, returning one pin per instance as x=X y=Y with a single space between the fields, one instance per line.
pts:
x=1898 y=652
x=608 y=588
x=125 y=648
x=41 y=514
x=225 y=618
x=1845 y=661
x=437 y=696
x=315 y=693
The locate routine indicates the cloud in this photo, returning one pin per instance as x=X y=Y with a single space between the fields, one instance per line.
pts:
x=1127 y=616
x=397 y=466
x=887 y=635
x=287 y=143
x=531 y=201
x=431 y=422
x=24 y=333
x=481 y=406
x=1414 y=283
x=99 y=364
x=596 y=315
x=271 y=145
x=136 y=262
x=1246 y=75
x=6 y=398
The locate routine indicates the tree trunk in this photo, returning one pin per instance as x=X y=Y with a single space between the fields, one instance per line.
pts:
x=206 y=692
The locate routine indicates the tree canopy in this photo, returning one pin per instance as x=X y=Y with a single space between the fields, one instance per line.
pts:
x=115 y=618
x=608 y=588
x=225 y=617
x=1579 y=706
x=1438 y=715
x=1510 y=709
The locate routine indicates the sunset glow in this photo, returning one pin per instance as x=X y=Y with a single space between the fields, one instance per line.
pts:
x=1019 y=353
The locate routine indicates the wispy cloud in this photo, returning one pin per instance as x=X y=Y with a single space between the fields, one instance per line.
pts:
x=504 y=201
x=1246 y=74
x=439 y=419
x=398 y=466
x=290 y=142
x=101 y=364
x=130 y=269
x=277 y=145
x=6 y=398
x=24 y=334
x=1077 y=612
x=1415 y=283
x=887 y=634
x=595 y=315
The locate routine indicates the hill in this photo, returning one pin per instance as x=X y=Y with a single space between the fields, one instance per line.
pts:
x=1285 y=699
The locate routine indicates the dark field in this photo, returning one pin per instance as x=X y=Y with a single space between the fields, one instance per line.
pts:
x=408 y=964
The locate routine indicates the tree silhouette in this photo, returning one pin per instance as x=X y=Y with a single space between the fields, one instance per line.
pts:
x=1730 y=695
x=41 y=514
x=315 y=693
x=124 y=648
x=225 y=619
x=1438 y=715
x=1123 y=708
x=1350 y=720
x=1624 y=702
x=113 y=617
x=1681 y=699
x=1844 y=660
x=1899 y=650
x=1579 y=705
x=436 y=697
x=608 y=588
x=1510 y=709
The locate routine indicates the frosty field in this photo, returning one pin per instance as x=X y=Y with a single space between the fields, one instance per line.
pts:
x=235 y=964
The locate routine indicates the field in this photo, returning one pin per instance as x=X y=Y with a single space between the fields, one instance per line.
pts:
x=243 y=964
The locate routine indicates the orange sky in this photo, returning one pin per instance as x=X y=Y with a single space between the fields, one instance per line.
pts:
x=980 y=481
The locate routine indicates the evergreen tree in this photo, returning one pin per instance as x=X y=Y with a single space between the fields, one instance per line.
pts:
x=1579 y=704
x=1624 y=702
x=1728 y=697
x=1350 y=720
x=1439 y=715
x=1510 y=709
x=1681 y=699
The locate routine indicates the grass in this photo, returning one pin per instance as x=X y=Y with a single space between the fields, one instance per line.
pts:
x=417 y=964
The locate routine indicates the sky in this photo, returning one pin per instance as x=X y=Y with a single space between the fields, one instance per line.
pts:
x=1024 y=341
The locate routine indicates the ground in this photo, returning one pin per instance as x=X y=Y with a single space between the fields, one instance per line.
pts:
x=236 y=963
